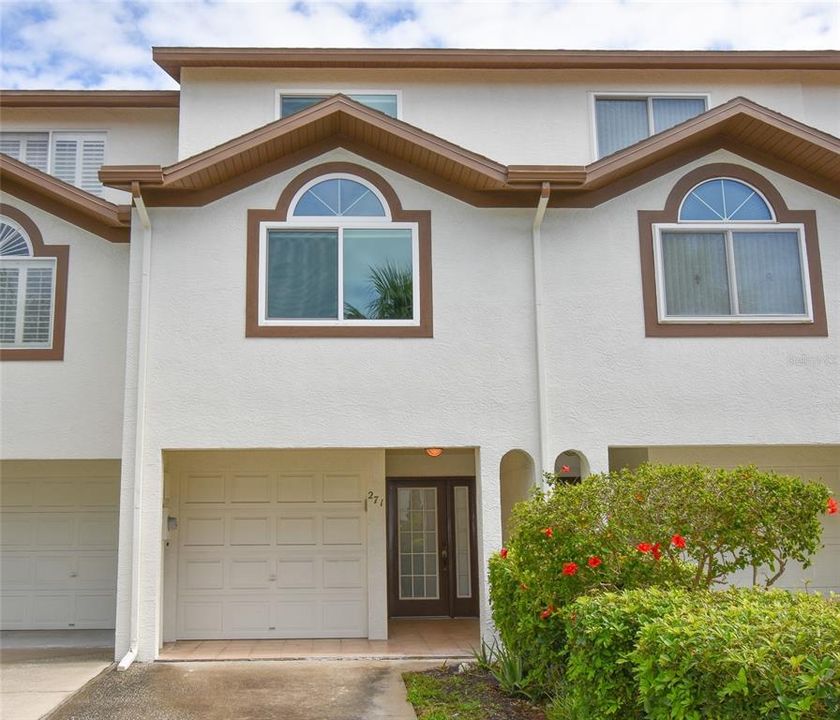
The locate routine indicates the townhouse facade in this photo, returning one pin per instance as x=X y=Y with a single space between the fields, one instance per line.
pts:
x=280 y=350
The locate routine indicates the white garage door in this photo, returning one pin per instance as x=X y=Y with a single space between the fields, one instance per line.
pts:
x=58 y=544
x=264 y=553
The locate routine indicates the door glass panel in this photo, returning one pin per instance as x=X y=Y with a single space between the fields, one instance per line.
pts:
x=418 y=549
x=462 y=541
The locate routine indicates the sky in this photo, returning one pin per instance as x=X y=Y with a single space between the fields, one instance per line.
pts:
x=106 y=44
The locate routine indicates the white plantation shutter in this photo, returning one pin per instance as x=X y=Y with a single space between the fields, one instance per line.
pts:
x=37 y=314
x=31 y=148
x=65 y=160
x=93 y=156
x=77 y=158
x=9 y=281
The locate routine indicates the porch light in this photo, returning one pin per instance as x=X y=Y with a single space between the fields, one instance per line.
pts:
x=434 y=452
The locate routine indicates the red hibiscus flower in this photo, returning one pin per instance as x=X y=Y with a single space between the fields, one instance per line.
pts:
x=545 y=614
x=570 y=568
x=831 y=506
x=594 y=561
x=657 y=553
x=503 y=553
x=548 y=532
x=678 y=541
x=644 y=547
x=565 y=468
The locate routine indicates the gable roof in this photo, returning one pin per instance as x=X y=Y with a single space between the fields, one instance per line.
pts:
x=174 y=59
x=741 y=126
x=103 y=218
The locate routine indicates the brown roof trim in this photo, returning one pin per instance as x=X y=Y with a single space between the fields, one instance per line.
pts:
x=807 y=218
x=61 y=253
x=89 y=98
x=173 y=59
x=741 y=126
x=103 y=218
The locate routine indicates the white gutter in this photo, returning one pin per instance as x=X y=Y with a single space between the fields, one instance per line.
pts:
x=142 y=347
x=546 y=463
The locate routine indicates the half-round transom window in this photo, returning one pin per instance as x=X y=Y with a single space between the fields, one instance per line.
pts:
x=724 y=200
x=339 y=197
x=13 y=241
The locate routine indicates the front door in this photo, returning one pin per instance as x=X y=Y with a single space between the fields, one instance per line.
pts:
x=432 y=565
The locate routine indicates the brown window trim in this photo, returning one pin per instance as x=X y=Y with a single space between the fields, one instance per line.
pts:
x=280 y=214
x=61 y=253
x=818 y=327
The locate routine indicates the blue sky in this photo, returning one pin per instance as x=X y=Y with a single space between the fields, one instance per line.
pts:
x=107 y=44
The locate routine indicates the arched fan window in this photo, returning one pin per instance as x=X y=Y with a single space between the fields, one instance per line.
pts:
x=728 y=259
x=339 y=197
x=27 y=290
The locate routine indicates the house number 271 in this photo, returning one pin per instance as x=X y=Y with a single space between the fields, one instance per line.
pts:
x=374 y=499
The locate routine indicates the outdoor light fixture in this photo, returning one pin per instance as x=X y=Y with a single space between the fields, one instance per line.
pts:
x=434 y=452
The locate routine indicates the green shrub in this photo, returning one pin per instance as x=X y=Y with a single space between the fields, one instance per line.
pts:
x=753 y=654
x=602 y=634
x=657 y=526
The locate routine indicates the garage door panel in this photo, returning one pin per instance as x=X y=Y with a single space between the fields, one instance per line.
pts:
x=17 y=493
x=16 y=572
x=55 y=571
x=15 y=611
x=57 y=493
x=251 y=573
x=54 y=611
x=251 y=488
x=204 y=489
x=298 y=573
x=250 y=530
x=298 y=488
x=297 y=530
x=201 y=531
x=247 y=616
x=343 y=572
x=98 y=530
x=296 y=618
x=55 y=530
x=344 y=616
x=201 y=618
x=96 y=571
x=342 y=530
x=95 y=610
x=16 y=530
x=202 y=573
x=342 y=488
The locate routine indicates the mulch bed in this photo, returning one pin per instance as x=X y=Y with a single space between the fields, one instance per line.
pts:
x=480 y=687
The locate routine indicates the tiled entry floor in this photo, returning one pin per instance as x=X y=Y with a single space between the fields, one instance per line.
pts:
x=407 y=638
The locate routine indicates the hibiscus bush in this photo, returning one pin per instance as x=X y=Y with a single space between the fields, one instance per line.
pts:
x=663 y=526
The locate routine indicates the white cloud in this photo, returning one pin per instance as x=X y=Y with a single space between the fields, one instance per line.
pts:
x=83 y=43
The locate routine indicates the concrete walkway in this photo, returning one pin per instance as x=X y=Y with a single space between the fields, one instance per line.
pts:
x=40 y=669
x=249 y=690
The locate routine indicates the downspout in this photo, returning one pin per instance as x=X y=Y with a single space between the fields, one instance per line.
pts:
x=142 y=346
x=542 y=401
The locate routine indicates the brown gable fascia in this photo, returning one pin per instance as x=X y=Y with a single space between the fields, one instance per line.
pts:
x=514 y=185
x=98 y=216
x=90 y=98
x=173 y=59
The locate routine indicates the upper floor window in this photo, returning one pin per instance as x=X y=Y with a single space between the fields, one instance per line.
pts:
x=27 y=290
x=340 y=257
x=726 y=257
x=621 y=121
x=74 y=157
x=290 y=103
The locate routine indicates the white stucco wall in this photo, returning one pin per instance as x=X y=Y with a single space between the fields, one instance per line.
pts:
x=135 y=136
x=473 y=384
x=72 y=408
x=541 y=117
x=609 y=384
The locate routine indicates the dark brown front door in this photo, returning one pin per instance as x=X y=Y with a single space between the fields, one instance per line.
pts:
x=432 y=565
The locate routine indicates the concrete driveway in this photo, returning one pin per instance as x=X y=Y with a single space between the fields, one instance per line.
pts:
x=247 y=690
x=39 y=669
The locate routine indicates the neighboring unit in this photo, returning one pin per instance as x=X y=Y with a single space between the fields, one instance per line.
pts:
x=281 y=350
